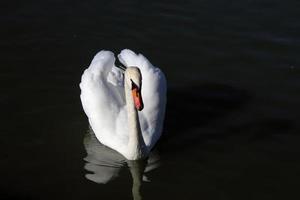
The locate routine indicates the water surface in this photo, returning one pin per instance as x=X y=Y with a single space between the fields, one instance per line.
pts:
x=232 y=123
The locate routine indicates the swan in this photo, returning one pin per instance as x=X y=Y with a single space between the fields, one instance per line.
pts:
x=125 y=104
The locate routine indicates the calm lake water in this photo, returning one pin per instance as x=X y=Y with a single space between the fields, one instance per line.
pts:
x=232 y=123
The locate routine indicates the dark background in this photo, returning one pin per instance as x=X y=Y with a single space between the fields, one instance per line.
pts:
x=232 y=122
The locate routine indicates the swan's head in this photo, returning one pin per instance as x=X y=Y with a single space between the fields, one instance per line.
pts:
x=133 y=79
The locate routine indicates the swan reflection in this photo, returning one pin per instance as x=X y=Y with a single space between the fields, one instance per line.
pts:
x=104 y=164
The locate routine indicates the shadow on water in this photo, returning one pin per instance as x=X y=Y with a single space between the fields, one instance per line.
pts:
x=196 y=106
x=104 y=165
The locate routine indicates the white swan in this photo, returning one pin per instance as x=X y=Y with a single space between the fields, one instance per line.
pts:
x=111 y=98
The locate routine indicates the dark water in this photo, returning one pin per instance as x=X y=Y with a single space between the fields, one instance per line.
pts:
x=232 y=124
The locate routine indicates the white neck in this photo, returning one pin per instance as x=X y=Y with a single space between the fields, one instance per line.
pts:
x=136 y=146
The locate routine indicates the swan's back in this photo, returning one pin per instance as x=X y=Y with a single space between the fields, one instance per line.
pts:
x=103 y=99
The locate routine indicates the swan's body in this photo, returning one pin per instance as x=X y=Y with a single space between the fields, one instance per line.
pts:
x=106 y=96
x=104 y=164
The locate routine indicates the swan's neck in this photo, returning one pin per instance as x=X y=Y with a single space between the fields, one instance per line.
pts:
x=136 y=145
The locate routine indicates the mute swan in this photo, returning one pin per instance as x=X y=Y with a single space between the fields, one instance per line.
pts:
x=125 y=109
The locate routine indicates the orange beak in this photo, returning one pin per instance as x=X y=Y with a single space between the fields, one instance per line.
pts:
x=137 y=99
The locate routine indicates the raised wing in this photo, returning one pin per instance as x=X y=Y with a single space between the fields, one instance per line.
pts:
x=102 y=97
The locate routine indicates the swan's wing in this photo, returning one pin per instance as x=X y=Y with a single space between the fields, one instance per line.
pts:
x=103 y=100
x=153 y=93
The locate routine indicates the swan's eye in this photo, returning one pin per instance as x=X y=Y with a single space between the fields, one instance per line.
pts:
x=133 y=85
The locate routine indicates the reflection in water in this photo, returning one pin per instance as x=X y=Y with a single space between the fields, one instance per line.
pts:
x=105 y=164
